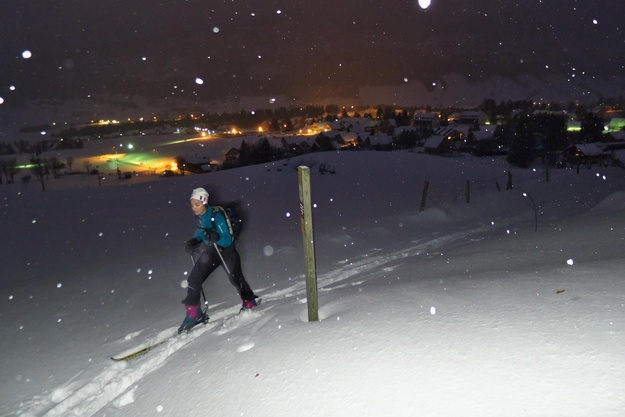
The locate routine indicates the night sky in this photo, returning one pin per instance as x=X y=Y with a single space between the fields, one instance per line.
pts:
x=206 y=50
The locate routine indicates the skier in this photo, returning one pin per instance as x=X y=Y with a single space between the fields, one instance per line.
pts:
x=212 y=235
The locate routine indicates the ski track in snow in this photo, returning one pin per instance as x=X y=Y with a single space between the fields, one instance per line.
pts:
x=115 y=384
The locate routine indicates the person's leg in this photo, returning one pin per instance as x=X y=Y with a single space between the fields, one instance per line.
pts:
x=237 y=279
x=206 y=263
x=201 y=270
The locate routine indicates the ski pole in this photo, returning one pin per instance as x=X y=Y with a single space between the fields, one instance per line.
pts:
x=223 y=262
x=201 y=288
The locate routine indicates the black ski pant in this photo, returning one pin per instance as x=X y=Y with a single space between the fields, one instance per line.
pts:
x=206 y=263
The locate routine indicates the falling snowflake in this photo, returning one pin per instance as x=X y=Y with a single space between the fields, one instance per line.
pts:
x=424 y=4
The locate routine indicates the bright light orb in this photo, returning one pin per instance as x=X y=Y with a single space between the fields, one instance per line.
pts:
x=1 y=100
x=199 y=81
x=424 y=4
x=27 y=54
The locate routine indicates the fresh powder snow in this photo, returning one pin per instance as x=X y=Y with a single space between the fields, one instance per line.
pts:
x=463 y=309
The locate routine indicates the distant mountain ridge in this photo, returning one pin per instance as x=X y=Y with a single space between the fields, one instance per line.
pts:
x=451 y=90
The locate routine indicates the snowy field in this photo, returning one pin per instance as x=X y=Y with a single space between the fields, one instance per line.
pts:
x=460 y=310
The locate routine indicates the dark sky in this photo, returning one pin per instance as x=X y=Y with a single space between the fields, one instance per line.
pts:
x=306 y=49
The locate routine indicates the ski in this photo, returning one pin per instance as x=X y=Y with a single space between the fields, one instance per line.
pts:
x=158 y=340
x=135 y=353
x=169 y=334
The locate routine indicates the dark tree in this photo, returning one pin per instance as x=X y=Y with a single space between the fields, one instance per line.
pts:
x=591 y=128
x=523 y=147
x=244 y=153
x=489 y=107
x=407 y=139
x=552 y=130
x=324 y=142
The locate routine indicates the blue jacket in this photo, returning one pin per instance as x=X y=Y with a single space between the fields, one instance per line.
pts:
x=213 y=220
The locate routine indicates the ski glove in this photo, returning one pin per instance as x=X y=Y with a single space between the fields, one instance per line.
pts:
x=191 y=244
x=211 y=235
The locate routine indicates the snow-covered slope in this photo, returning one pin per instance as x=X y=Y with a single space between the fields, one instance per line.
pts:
x=462 y=309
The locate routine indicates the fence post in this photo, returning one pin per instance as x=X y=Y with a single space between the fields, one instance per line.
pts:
x=424 y=196
x=303 y=173
x=509 y=185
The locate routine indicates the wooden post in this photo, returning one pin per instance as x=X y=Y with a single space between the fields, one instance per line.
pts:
x=424 y=196
x=305 y=204
x=509 y=185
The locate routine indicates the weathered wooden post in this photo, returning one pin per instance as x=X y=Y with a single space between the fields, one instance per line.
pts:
x=509 y=185
x=424 y=196
x=305 y=205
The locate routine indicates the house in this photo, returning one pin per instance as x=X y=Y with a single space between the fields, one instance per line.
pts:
x=471 y=118
x=336 y=125
x=452 y=132
x=317 y=127
x=232 y=155
x=437 y=144
x=426 y=120
x=404 y=129
x=483 y=142
x=199 y=165
x=331 y=138
x=378 y=140
x=349 y=137
x=358 y=124
x=618 y=136
x=584 y=154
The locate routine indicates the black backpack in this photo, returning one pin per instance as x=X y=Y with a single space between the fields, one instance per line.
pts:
x=232 y=214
